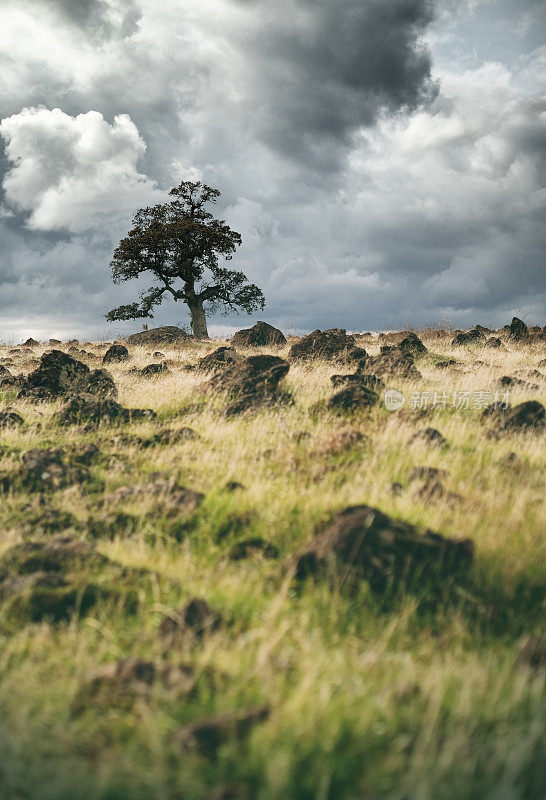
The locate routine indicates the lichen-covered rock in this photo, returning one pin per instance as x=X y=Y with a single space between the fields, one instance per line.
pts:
x=166 y=335
x=57 y=374
x=518 y=330
x=100 y=383
x=391 y=363
x=363 y=543
x=330 y=344
x=250 y=382
x=218 y=359
x=115 y=353
x=355 y=397
x=260 y=335
x=412 y=345
x=465 y=338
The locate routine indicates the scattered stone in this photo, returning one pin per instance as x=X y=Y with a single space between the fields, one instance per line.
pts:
x=518 y=330
x=392 y=363
x=158 y=354
x=9 y=419
x=122 y=683
x=344 y=440
x=54 y=341
x=154 y=369
x=250 y=547
x=508 y=381
x=115 y=353
x=429 y=436
x=100 y=383
x=369 y=381
x=474 y=336
x=46 y=469
x=363 y=543
x=168 y=334
x=493 y=342
x=445 y=363
x=427 y=474
x=234 y=486
x=194 y=620
x=330 y=344
x=7 y=380
x=251 y=382
x=84 y=408
x=30 y=342
x=207 y=735
x=396 y=489
x=434 y=491
x=58 y=374
x=170 y=437
x=218 y=359
x=511 y=460
x=525 y=416
x=532 y=652
x=185 y=500
x=355 y=397
x=412 y=345
x=260 y=335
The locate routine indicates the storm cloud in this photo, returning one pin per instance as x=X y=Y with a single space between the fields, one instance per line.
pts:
x=372 y=188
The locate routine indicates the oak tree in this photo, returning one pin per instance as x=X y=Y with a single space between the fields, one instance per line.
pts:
x=181 y=244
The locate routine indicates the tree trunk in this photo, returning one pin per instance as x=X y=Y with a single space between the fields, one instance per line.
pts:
x=198 y=320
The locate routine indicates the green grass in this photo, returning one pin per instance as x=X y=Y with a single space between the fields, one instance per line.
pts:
x=412 y=696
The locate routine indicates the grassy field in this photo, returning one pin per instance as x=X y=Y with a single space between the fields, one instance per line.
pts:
x=371 y=697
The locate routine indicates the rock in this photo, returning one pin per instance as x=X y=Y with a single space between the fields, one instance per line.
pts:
x=363 y=543
x=396 y=489
x=412 y=345
x=508 y=381
x=433 y=491
x=154 y=369
x=208 y=734
x=532 y=652
x=542 y=363
x=57 y=374
x=358 y=378
x=260 y=335
x=525 y=416
x=85 y=408
x=392 y=363
x=100 y=383
x=445 y=363
x=158 y=486
x=9 y=419
x=330 y=344
x=474 y=336
x=115 y=353
x=158 y=354
x=493 y=342
x=54 y=341
x=250 y=547
x=194 y=620
x=343 y=441
x=30 y=342
x=7 y=380
x=234 y=486
x=168 y=334
x=46 y=469
x=511 y=460
x=73 y=343
x=429 y=436
x=170 y=437
x=518 y=330
x=427 y=473
x=353 y=398
x=218 y=359
x=122 y=683
x=250 y=382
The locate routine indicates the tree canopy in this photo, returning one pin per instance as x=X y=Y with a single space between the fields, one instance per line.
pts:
x=180 y=243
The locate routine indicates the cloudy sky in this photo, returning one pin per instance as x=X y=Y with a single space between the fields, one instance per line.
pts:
x=384 y=160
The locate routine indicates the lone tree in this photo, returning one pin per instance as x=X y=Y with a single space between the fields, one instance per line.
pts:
x=180 y=244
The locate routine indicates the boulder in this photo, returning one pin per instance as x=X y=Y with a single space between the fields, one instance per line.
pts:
x=412 y=345
x=166 y=335
x=45 y=469
x=57 y=374
x=429 y=436
x=465 y=338
x=86 y=408
x=30 y=342
x=207 y=735
x=330 y=344
x=392 y=363
x=154 y=369
x=218 y=359
x=493 y=342
x=250 y=382
x=358 y=378
x=260 y=335
x=363 y=543
x=115 y=353
x=194 y=620
x=355 y=397
x=9 y=419
x=100 y=383
x=525 y=416
x=254 y=546
x=7 y=380
x=518 y=330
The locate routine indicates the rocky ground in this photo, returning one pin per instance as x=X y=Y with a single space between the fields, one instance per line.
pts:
x=264 y=568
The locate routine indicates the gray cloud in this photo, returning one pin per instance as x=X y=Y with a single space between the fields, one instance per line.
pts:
x=364 y=198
